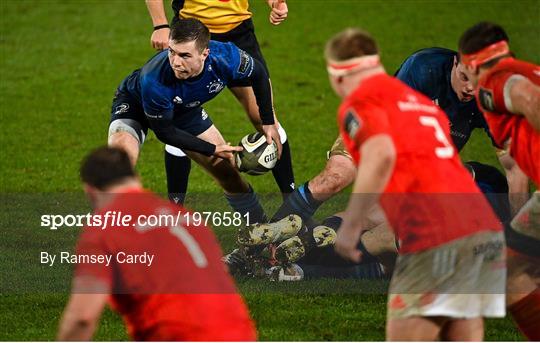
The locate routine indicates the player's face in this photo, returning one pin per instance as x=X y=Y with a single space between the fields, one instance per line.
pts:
x=337 y=86
x=461 y=82
x=186 y=60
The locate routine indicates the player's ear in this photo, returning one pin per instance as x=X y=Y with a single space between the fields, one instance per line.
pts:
x=90 y=192
x=205 y=52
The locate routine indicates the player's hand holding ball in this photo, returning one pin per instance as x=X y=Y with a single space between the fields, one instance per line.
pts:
x=257 y=156
x=226 y=152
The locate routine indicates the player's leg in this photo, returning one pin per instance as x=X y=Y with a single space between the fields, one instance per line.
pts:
x=128 y=126
x=238 y=192
x=414 y=328
x=463 y=330
x=523 y=292
x=338 y=173
x=124 y=140
x=177 y=169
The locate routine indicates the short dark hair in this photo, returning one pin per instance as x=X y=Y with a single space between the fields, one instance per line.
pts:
x=350 y=43
x=480 y=36
x=188 y=30
x=105 y=167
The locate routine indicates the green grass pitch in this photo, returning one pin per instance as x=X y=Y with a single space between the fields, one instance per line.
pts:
x=62 y=60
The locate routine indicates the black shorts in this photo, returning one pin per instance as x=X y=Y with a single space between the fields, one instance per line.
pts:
x=243 y=36
x=128 y=110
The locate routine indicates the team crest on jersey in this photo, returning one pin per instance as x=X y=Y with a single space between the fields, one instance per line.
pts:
x=352 y=123
x=122 y=108
x=244 y=62
x=215 y=86
x=486 y=99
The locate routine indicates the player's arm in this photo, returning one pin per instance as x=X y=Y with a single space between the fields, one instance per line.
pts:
x=524 y=99
x=83 y=310
x=260 y=82
x=160 y=37
x=518 y=182
x=378 y=159
x=159 y=112
x=279 y=11
x=167 y=133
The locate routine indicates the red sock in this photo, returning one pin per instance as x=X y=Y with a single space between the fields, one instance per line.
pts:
x=526 y=314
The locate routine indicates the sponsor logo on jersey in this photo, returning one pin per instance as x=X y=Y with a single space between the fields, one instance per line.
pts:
x=486 y=99
x=215 y=86
x=157 y=116
x=193 y=104
x=244 y=62
x=122 y=108
x=177 y=100
x=352 y=123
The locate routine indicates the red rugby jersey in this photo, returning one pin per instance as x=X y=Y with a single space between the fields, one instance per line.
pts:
x=505 y=125
x=186 y=292
x=430 y=198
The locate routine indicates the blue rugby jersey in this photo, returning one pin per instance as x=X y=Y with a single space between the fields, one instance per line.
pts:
x=162 y=95
x=428 y=71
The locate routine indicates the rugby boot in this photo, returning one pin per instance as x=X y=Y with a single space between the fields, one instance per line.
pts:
x=294 y=248
x=268 y=233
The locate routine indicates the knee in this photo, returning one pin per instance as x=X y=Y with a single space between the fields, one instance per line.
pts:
x=128 y=135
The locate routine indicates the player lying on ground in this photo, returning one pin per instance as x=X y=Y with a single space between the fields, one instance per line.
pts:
x=508 y=92
x=184 y=294
x=450 y=272
x=166 y=95
x=290 y=250
x=228 y=21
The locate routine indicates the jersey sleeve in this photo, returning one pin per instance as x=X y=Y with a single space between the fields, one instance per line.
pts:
x=362 y=120
x=235 y=62
x=492 y=95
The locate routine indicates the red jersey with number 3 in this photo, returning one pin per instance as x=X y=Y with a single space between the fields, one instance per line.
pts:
x=506 y=126
x=430 y=198
x=184 y=293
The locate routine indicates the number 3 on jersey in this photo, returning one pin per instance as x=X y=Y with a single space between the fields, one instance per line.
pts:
x=446 y=151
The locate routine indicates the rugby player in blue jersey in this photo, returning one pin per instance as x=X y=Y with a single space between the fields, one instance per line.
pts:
x=437 y=73
x=166 y=96
x=228 y=21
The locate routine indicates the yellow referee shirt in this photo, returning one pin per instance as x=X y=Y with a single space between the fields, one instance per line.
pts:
x=218 y=15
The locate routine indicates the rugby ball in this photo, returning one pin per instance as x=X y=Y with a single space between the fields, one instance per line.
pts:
x=258 y=157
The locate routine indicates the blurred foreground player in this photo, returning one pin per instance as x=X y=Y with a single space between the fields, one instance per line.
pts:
x=228 y=21
x=439 y=74
x=183 y=294
x=450 y=272
x=508 y=91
